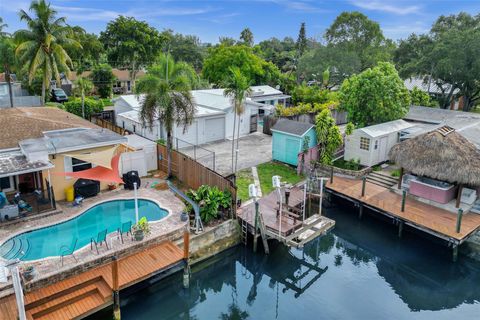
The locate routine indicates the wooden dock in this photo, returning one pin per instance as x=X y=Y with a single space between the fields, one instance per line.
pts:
x=421 y=216
x=81 y=295
x=292 y=230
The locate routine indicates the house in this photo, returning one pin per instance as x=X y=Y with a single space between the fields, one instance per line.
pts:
x=288 y=139
x=39 y=144
x=123 y=83
x=429 y=86
x=371 y=144
x=213 y=120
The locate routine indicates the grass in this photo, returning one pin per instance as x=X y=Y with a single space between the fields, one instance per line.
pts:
x=267 y=170
x=244 y=178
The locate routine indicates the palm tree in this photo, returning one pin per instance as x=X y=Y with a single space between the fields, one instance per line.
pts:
x=82 y=86
x=167 y=98
x=42 y=45
x=2 y=26
x=237 y=87
x=8 y=62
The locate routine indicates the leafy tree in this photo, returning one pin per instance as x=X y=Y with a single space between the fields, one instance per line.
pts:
x=183 y=69
x=226 y=41
x=83 y=86
x=220 y=59
x=42 y=46
x=312 y=94
x=301 y=40
x=90 y=52
x=167 y=99
x=349 y=128
x=354 y=32
x=8 y=62
x=185 y=48
x=329 y=138
x=246 y=37
x=86 y=107
x=131 y=44
x=237 y=87
x=374 y=96
x=103 y=79
x=448 y=54
x=421 y=98
x=280 y=52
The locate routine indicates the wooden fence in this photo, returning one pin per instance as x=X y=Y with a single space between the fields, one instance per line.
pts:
x=108 y=125
x=192 y=173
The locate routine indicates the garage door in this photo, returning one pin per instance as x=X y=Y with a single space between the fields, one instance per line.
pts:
x=214 y=129
x=190 y=135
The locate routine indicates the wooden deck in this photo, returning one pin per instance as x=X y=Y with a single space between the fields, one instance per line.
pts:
x=83 y=294
x=430 y=219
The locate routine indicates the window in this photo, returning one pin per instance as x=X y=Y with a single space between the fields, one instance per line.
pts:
x=80 y=165
x=376 y=144
x=128 y=85
x=6 y=184
x=364 y=143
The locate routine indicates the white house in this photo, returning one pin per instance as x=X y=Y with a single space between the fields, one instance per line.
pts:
x=371 y=144
x=213 y=120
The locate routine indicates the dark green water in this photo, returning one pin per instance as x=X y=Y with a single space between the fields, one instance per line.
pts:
x=359 y=271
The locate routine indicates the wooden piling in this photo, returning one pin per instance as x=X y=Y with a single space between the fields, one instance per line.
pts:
x=186 y=259
x=459 y=219
x=364 y=182
x=116 y=288
x=400 y=178
x=255 y=228
x=404 y=198
x=331 y=174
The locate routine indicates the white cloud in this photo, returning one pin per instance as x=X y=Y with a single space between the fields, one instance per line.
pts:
x=403 y=31
x=386 y=7
x=221 y=18
x=300 y=6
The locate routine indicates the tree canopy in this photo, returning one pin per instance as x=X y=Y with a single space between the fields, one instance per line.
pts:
x=328 y=136
x=246 y=37
x=374 y=96
x=302 y=40
x=186 y=48
x=103 y=78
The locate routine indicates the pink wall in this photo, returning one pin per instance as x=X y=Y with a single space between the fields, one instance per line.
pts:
x=309 y=156
x=432 y=193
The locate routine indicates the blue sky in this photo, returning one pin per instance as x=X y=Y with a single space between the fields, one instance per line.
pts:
x=266 y=18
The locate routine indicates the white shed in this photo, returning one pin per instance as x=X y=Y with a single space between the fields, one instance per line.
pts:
x=371 y=144
x=142 y=157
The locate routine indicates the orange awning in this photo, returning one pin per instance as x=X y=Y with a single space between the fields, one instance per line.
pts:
x=98 y=173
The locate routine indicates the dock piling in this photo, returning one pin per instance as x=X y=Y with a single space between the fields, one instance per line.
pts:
x=255 y=228
x=404 y=198
x=116 y=293
x=331 y=174
x=186 y=259
x=364 y=182
x=459 y=219
x=360 y=211
x=400 y=228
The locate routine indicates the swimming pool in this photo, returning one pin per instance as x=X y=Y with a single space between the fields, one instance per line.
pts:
x=46 y=242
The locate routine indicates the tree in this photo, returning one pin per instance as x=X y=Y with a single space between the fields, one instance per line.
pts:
x=448 y=55
x=3 y=26
x=82 y=86
x=329 y=138
x=183 y=69
x=237 y=87
x=226 y=41
x=86 y=107
x=42 y=46
x=301 y=40
x=421 y=98
x=187 y=48
x=131 y=44
x=374 y=96
x=103 y=79
x=220 y=59
x=354 y=32
x=167 y=99
x=7 y=62
x=246 y=37
x=89 y=54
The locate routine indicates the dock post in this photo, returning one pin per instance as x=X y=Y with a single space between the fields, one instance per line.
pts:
x=400 y=228
x=459 y=219
x=116 y=286
x=360 y=210
x=455 y=253
x=364 y=182
x=186 y=259
x=404 y=198
x=255 y=228
x=331 y=174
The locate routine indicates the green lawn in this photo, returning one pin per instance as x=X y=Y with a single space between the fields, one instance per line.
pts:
x=267 y=170
x=244 y=178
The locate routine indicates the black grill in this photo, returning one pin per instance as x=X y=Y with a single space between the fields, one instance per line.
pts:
x=86 y=188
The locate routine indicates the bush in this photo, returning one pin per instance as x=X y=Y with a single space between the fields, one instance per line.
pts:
x=103 y=78
x=211 y=200
x=305 y=108
x=395 y=173
x=351 y=164
x=313 y=94
x=92 y=106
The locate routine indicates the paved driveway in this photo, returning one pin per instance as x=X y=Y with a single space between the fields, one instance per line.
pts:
x=254 y=149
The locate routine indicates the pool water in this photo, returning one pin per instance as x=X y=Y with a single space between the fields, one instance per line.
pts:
x=361 y=270
x=46 y=242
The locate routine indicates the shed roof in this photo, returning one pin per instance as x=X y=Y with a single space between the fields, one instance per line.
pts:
x=292 y=127
x=418 y=82
x=382 y=129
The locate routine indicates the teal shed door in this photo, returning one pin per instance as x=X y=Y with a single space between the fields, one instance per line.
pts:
x=291 y=151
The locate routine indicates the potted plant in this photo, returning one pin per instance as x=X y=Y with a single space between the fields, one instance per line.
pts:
x=184 y=216
x=141 y=229
x=112 y=186
x=28 y=272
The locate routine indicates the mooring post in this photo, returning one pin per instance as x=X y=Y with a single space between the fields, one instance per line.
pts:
x=455 y=253
x=364 y=182
x=116 y=286
x=459 y=219
x=331 y=174
x=404 y=198
x=255 y=227
x=287 y=195
x=186 y=259
x=360 y=210
x=400 y=228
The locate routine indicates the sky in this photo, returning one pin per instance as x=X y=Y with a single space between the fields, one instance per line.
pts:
x=266 y=18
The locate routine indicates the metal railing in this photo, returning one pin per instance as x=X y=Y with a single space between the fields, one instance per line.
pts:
x=200 y=154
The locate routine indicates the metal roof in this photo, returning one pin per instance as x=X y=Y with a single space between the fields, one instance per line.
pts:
x=410 y=83
x=386 y=128
x=14 y=163
x=292 y=127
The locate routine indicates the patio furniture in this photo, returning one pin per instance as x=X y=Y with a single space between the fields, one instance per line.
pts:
x=126 y=228
x=68 y=250
x=101 y=237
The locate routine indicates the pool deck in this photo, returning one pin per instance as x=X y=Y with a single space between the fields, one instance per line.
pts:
x=426 y=218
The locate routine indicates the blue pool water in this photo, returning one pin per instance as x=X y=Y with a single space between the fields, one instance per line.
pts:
x=46 y=242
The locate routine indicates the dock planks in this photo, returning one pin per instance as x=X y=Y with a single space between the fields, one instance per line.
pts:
x=90 y=291
x=436 y=221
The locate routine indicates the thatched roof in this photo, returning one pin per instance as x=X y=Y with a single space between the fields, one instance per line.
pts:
x=442 y=154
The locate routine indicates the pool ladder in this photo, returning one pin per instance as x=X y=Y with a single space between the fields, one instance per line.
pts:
x=245 y=228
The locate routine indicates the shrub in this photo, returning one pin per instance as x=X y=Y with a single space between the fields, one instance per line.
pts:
x=395 y=173
x=352 y=164
x=211 y=200
x=305 y=108
x=92 y=106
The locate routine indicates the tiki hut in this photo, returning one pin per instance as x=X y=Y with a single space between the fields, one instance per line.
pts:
x=442 y=154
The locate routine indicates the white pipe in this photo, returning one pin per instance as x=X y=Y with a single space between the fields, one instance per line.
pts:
x=136 y=202
x=17 y=287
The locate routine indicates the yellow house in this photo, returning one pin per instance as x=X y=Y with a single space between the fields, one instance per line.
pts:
x=38 y=144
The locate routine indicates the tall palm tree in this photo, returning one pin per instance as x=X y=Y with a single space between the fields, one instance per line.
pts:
x=237 y=87
x=82 y=86
x=42 y=45
x=2 y=26
x=167 y=98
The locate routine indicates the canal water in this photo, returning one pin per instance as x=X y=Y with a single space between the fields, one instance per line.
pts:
x=361 y=270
